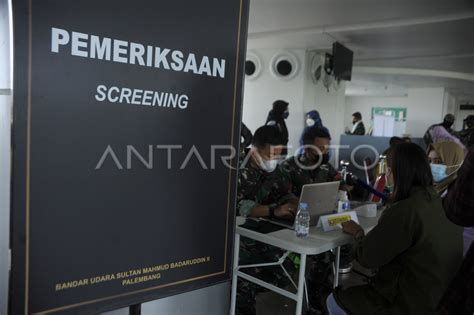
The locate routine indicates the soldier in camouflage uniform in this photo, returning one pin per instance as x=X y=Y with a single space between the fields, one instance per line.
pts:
x=299 y=176
x=312 y=167
x=262 y=192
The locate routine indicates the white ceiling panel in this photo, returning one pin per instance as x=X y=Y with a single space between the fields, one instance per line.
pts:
x=414 y=34
x=424 y=40
x=271 y=15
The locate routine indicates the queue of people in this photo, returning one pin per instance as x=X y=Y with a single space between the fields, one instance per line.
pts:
x=443 y=132
x=415 y=250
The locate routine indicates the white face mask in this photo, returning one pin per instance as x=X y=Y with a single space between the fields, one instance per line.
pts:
x=267 y=165
x=310 y=122
x=270 y=165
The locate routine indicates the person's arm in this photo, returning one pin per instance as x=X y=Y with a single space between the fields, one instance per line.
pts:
x=286 y=210
x=391 y=236
x=284 y=184
x=427 y=137
x=249 y=208
x=247 y=186
x=247 y=136
x=248 y=205
x=459 y=202
x=260 y=211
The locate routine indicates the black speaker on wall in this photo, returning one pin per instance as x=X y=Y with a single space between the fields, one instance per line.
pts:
x=284 y=67
x=250 y=67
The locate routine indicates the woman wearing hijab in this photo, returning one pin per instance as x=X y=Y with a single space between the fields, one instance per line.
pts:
x=414 y=246
x=313 y=120
x=276 y=117
x=440 y=134
x=446 y=159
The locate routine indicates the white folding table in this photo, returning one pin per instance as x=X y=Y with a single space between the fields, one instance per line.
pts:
x=317 y=242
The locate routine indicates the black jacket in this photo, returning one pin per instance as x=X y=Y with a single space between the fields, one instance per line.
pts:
x=359 y=131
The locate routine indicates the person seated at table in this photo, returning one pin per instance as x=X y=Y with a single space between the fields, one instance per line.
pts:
x=446 y=159
x=262 y=192
x=414 y=246
x=262 y=189
x=312 y=166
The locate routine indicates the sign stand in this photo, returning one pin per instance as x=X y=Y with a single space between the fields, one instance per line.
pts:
x=106 y=180
x=135 y=309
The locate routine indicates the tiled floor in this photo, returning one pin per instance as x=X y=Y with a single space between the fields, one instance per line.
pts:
x=270 y=303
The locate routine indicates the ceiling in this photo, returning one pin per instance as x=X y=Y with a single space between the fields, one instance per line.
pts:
x=414 y=35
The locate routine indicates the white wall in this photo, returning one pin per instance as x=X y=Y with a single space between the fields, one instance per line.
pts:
x=330 y=105
x=300 y=91
x=449 y=106
x=4 y=46
x=261 y=92
x=5 y=121
x=425 y=106
x=5 y=150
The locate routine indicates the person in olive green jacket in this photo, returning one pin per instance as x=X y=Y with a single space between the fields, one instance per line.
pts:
x=414 y=247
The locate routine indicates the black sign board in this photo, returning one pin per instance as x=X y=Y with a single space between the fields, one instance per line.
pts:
x=126 y=123
x=466 y=107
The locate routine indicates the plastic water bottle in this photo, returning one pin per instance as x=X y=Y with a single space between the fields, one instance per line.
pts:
x=302 y=221
x=343 y=204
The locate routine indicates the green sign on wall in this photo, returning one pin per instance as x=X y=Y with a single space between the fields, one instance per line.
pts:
x=400 y=113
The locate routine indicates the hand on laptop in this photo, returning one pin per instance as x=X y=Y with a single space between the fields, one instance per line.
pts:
x=285 y=211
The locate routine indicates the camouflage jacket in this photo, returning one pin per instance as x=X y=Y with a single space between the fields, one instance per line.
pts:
x=298 y=177
x=257 y=187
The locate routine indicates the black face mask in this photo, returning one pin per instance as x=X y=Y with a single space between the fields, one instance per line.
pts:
x=325 y=159
x=319 y=159
x=447 y=124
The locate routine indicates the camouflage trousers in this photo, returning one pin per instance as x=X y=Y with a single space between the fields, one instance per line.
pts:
x=318 y=271
x=253 y=252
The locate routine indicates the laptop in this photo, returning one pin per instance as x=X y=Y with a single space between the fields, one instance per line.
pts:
x=321 y=199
